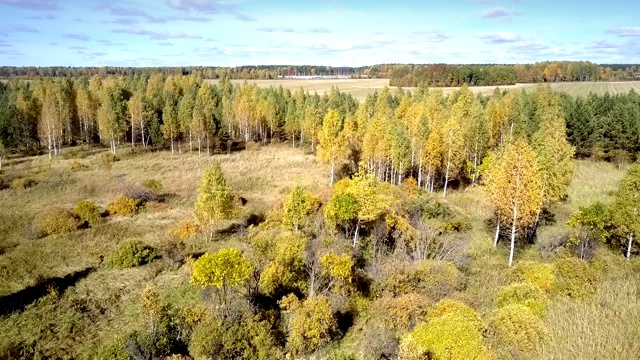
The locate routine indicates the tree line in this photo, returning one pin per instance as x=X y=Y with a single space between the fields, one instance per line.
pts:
x=406 y=75
x=248 y=72
x=406 y=134
x=493 y=75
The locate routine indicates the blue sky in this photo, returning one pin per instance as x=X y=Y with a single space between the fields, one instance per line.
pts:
x=322 y=32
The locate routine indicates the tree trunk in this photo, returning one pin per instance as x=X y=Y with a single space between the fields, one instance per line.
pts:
x=629 y=246
x=420 y=173
x=355 y=234
x=142 y=132
x=332 y=172
x=172 y=151
x=495 y=241
x=513 y=235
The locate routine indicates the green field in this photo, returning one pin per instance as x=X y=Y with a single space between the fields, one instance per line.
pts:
x=360 y=88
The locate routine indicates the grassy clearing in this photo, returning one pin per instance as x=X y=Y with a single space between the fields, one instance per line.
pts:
x=76 y=322
x=360 y=88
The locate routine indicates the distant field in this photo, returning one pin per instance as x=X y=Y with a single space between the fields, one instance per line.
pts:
x=360 y=88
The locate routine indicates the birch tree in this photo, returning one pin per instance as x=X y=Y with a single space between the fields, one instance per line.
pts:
x=516 y=185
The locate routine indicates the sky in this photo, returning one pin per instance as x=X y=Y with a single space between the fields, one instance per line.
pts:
x=315 y=32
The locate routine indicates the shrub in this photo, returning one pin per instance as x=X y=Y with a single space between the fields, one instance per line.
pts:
x=143 y=196
x=88 y=212
x=153 y=185
x=56 y=220
x=432 y=278
x=108 y=158
x=452 y=331
x=575 y=278
x=129 y=254
x=525 y=294
x=123 y=205
x=310 y=323
x=252 y=146
x=403 y=312
x=77 y=165
x=22 y=183
x=246 y=338
x=516 y=326
x=185 y=229
x=535 y=273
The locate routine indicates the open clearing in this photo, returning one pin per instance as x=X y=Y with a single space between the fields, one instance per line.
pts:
x=360 y=88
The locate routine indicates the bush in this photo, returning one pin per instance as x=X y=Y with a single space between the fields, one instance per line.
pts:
x=452 y=331
x=403 y=312
x=525 y=294
x=88 y=212
x=185 y=229
x=535 y=273
x=153 y=185
x=432 y=278
x=123 y=205
x=77 y=165
x=575 y=278
x=516 y=326
x=56 y=220
x=310 y=323
x=108 y=158
x=22 y=183
x=130 y=254
x=143 y=196
x=246 y=338
x=252 y=146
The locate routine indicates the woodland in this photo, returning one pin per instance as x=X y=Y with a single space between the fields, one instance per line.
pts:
x=156 y=216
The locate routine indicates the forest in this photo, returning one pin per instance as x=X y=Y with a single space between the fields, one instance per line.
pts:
x=238 y=222
x=406 y=75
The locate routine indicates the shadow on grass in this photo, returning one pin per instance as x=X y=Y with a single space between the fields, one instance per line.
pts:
x=21 y=299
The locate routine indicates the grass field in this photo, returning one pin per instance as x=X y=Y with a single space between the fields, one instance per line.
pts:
x=360 y=88
x=100 y=303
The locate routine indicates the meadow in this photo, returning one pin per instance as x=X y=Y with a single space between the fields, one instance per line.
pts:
x=85 y=310
x=360 y=88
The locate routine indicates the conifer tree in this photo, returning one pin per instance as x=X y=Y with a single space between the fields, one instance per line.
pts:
x=625 y=208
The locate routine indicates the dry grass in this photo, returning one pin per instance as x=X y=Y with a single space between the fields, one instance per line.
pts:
x=603 y=328
x=593 y=181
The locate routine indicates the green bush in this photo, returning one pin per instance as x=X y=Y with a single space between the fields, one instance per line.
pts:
x=56 y=220
x=22 y=183
x=535 y=273
x=517 y=327
x=575 y=278
x=123 y=205
x=246 y=338
x=153 y=185
x=88 y=212
x=129 y=254
x=525 y=294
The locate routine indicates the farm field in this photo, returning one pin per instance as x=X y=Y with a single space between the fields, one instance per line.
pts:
x=360 y=88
